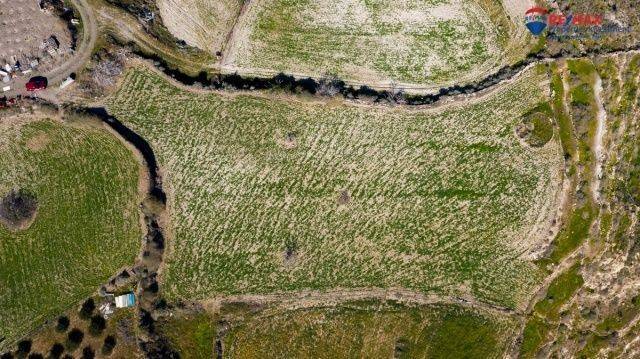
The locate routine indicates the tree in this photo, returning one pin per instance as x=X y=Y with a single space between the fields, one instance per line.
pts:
x=109 y=344
x=88 y=353
x=74 y=338
x=24 y=347
x=63 y=324
x=87 y=308
x=329 y=85
x=97 y=325
x=56 y=351
x=18 y=206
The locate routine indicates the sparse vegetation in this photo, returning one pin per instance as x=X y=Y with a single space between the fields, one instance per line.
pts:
x=362 y=329
x=193 y=335
x=368 y=329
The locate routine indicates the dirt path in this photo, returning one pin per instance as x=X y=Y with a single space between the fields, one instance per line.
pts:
x=85 y=48
x=307 y=299
x=598 y=139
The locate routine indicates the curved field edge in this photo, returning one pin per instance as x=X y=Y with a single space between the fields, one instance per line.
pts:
x=408 y=44
x=87 y=225
x=271 y=195
x=368 y=329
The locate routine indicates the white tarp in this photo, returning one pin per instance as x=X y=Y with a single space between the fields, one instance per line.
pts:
x=124 y=301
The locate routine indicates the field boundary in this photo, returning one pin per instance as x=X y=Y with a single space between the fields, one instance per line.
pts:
x=311 y=299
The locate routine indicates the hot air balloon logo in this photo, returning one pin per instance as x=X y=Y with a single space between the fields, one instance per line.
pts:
x=536 y=20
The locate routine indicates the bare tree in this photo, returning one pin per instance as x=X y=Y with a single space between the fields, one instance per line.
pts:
x=329 y=85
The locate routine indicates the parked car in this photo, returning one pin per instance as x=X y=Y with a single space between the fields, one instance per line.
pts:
x=37 y=83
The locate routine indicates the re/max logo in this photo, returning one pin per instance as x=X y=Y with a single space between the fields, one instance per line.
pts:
x=575 y=20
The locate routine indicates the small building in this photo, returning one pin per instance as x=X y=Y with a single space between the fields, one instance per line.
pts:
x=126 y=300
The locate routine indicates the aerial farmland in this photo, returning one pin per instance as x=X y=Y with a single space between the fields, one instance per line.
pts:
x=313 y=187
x=74 y=222
x=414 y=45
x=329 y=179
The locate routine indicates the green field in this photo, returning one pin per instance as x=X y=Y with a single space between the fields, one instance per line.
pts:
x=411 y=42
x=86 y=226
x=350 y=330
x=275 y=195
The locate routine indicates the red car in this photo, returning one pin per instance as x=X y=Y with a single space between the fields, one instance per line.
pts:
x=37 y=83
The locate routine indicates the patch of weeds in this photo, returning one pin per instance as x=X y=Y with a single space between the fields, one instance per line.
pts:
x=582 y=95
x=570 y=237
x=192 y=335
x=560 y=290
x=535 y=332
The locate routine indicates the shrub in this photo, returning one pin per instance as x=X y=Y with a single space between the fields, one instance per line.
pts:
x=35 y=356
x=109 y=344
x=88 y=353
x=24 y=347
x=74 y=338
x=87 y=309
x=63 y=324
x=56 y=351
x=97 y=325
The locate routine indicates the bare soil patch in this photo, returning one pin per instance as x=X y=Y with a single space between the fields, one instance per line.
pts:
x=37 y=143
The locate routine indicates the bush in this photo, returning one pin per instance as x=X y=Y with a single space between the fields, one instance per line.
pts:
x=24 y=347
x=74 y=338
x=35 y=356
x=56 y=351
x=63 y=324
x=97 y=325
x=109 y=344
x=6 y=355
x=88 y=353
x=87 y=309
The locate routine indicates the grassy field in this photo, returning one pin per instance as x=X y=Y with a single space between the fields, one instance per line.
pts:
x=86 y=226
x=276 y=195
x=350 y=330
x=410 y=42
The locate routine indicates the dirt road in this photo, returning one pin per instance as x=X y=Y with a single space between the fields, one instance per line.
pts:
x=599 y=138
